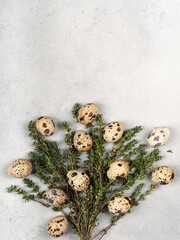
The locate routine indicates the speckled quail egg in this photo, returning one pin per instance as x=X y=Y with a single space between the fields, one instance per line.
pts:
x=162 y=175
x=78 y=180
x=54 y=197
x=113 y=132
x=120 y=204
x=87 y=114
x=45 y=126
x=158 y=137
x=57 y=226
x=20 y=168
x=118 y=169
x=82 y=141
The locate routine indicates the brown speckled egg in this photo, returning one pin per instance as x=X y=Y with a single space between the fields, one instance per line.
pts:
x=162 y=175
x=82 y=141
x=158 y=137
x=45 y=126
x=87 y=114
x=54 y=197
x=78 y=180
x=118 y=169
x=57 y=226
x=113 y=132
x=120 y=204
x=20 y=168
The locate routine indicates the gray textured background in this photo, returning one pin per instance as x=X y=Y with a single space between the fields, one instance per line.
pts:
x=124 y=55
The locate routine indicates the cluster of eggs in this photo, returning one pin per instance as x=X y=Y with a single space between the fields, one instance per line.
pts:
x=157 y=138
x=78 y=180
x=86 y=115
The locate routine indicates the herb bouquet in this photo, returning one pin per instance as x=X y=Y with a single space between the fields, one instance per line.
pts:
x=82 y=189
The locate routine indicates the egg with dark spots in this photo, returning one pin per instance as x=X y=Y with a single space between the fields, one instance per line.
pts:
x=78 y=180
x=119 y=204
x=113 y=132
x=20 y=168
x=162 y=175
x=117 y=170
x=57 y=226
x=87 y=114
x=82 y=141
x=45 y=126
x=54 y=197
x=158 y=137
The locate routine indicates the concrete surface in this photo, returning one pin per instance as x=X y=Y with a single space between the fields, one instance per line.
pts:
x=123 y=55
